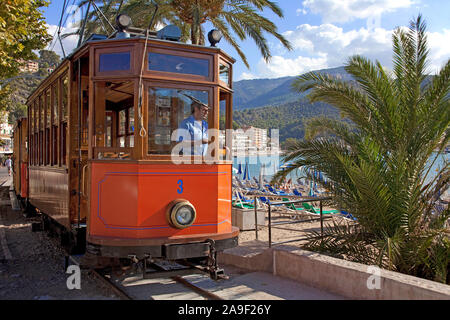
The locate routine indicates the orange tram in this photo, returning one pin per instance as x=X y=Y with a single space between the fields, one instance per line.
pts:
x=93 y=158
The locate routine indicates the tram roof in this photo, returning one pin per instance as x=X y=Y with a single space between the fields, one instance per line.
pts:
x=82 y=50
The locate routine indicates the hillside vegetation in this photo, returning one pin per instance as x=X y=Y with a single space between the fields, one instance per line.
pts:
x=289 y=118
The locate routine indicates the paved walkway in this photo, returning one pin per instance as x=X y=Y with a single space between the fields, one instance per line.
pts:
x=5 y=180
x=242 y=285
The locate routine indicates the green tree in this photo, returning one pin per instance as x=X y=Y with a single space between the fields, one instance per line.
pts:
x=16 y=112
x=288 y=143
x=22 y=30
x=379 y=169
x=49 y=57
x=232 y=17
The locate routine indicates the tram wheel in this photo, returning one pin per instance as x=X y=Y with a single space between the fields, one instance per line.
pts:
x=28 y=210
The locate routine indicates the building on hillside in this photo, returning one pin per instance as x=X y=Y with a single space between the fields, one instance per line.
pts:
x=6 y=131
x=251 y=141
x=29 y=66
x=258 y=137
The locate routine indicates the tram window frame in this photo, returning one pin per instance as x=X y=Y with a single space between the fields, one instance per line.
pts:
x=127 y=133
x=110 y=98
x=30 y=129
x=85 y=119
x=111 y=50
x=41 y=129
x=227 y=97
x=184 y=54
x=47 y=122
x=63 y=118
x=54 y=123
x=228 y=84
x=148 y=155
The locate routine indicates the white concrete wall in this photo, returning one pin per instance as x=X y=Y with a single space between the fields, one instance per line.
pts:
x=334 y=275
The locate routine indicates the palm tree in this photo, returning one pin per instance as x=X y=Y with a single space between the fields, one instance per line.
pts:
x=234 y=18
x=378 y=168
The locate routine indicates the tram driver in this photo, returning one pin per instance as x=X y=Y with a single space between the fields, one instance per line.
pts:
x=194 y=129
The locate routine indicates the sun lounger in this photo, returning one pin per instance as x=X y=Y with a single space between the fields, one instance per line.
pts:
x=347 y=215
x=314 y=210
x=292 y=206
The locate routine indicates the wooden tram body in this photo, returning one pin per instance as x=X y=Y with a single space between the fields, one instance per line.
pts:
x=106 y=183
x=20 y=158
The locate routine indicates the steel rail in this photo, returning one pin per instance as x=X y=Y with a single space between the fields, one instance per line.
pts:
x=97 y=274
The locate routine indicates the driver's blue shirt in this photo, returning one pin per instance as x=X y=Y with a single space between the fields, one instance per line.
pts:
x=198 y=130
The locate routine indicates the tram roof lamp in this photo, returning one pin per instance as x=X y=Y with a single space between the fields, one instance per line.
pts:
x=214 y=37
x=123 y=21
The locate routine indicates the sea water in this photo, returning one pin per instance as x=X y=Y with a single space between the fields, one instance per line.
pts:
x=270 y=164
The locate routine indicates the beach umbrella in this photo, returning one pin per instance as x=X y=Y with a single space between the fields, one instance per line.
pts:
x=245 y=172
x=239 y=169
x=261 y=174
x=248 y=171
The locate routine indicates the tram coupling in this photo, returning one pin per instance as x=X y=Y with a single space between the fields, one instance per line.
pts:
x=215 y=272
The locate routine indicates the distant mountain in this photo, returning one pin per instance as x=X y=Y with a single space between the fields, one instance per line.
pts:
x=272 y=104
x=272 y=92
x=288 y=118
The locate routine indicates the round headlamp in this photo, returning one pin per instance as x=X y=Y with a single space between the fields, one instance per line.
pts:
x=181 y=214
x=123 y=21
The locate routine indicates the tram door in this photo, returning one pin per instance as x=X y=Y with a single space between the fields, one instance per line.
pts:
x=78 y=144
x=114 y=116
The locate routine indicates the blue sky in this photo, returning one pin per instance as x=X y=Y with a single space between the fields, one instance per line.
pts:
x=325 y=33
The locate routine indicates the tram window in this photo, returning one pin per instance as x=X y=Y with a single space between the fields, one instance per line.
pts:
x=85 y=119
x=41 y=145
x=125 y=134
x=109 y=123
x=41 y=113
x=65 y=92
x=63 y=143
x=36 y=149
x=41 y=130
x=130 y=136
x=114 y=114
x=47 y=146
x=168 y=108
x=225 y=124
x=47 y=127
x=122 y=122
x=224 y=73
x=119 y=61
x=31 y=116
x=55 y=104
x=35 y=115
x=178 y=64
x=30 y=155
x=63 y=119
x=47 y=109
x=54 y=127
x=54 y=145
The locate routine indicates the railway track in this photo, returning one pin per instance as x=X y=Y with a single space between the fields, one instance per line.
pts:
x=121 y=291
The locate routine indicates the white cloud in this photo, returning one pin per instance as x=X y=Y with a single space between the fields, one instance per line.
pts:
x=300 y=11
x=332 y=42
x=69 y=42
x=327 y=46
x=282 y=67
x=439 y=44
x=347 y=10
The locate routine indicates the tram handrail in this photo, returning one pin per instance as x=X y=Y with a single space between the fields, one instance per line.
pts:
x=270 y=226
x=83 y=182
